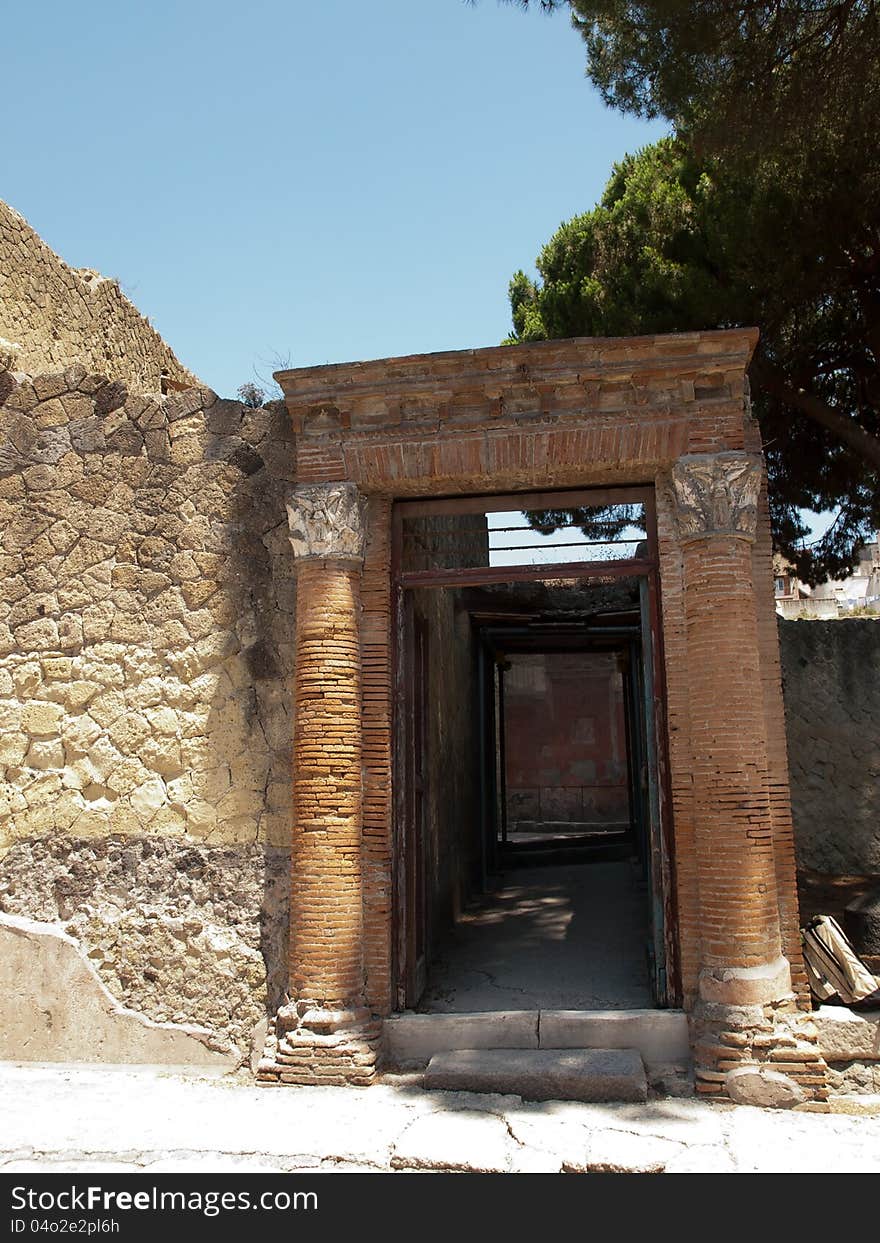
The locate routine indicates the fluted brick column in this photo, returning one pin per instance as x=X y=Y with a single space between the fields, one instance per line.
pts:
x=716 y=497
x=745 y=1013
x=326 y=919
x=325 y=1034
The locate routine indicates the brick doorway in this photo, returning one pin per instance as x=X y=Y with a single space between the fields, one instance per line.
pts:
x=666 y=413
x=502 y=796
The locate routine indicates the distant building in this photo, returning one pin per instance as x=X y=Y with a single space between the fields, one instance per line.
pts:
x=859 y=593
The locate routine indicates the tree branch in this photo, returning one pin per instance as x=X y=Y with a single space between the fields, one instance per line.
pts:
x=862 y=442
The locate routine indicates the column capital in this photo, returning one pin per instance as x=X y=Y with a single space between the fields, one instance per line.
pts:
x=717 y=494
x=328 y=522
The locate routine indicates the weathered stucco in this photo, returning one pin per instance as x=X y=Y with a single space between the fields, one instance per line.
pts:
x=58 y=315
x=178 y=930
x=579 y=775
x=54 y=1008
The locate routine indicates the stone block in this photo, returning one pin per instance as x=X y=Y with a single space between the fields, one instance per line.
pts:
x=149 y=798
x=620 y=1152
x=38 y=636
x=746 y=986
x=57 y=667
x=844 y=1035
x=413 y=1039
x=660 y=1036
x=542 y=1074
x=13 y=748
x=455 y=1141
x=10 y=355
x=768 y=1089
x=45 y=754
x=42 y=720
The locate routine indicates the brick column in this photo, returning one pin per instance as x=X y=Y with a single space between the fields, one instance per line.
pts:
x=749 y=1042
x=325 y=1033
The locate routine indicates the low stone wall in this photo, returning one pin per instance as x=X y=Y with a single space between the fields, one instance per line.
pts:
x=146 y=671
x=58 y=315
x=831 y=684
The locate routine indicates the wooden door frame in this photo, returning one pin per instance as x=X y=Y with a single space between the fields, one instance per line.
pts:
x=647 y=567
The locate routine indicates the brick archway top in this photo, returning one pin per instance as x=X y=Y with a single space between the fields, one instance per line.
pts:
x=516 y=416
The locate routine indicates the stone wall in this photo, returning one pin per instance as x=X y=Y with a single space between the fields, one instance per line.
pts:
x=831 y=681
x=58 y=316
x=146 y=667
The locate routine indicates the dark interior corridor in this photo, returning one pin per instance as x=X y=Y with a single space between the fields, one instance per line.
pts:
x=558 y=937
x=525 y=759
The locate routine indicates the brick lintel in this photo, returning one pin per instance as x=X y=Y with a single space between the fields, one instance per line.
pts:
x=587 y=358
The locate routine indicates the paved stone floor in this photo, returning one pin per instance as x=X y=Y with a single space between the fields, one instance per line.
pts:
x=552 y=938
x=89 y=1119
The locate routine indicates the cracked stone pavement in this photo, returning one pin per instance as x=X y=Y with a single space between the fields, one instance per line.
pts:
x=100 y=1119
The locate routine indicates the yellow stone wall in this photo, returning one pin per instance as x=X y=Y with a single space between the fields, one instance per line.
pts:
x=58 y=316
x=146 y=613
x=146 y=653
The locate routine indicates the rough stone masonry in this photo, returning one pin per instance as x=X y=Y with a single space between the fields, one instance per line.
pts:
x=145 y=680
x=57 y=315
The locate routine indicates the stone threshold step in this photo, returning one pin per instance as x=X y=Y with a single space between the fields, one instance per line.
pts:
x=659 y=1036
x=541 y=1074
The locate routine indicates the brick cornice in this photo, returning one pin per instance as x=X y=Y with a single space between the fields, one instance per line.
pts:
x=586 y=356
x=499 y=384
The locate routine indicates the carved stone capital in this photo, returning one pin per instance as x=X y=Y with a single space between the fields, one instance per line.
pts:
x=327 y=521
x=717 y=494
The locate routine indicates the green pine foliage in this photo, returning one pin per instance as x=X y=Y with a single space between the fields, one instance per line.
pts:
x=763 y=209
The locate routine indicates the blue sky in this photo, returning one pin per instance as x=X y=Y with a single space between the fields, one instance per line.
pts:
x=307 y=181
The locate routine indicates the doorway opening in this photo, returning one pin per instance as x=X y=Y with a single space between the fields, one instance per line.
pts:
x=532 y=866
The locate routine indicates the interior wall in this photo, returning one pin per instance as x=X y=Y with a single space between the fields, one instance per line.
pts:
x=452 y=784
x=565 y=740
